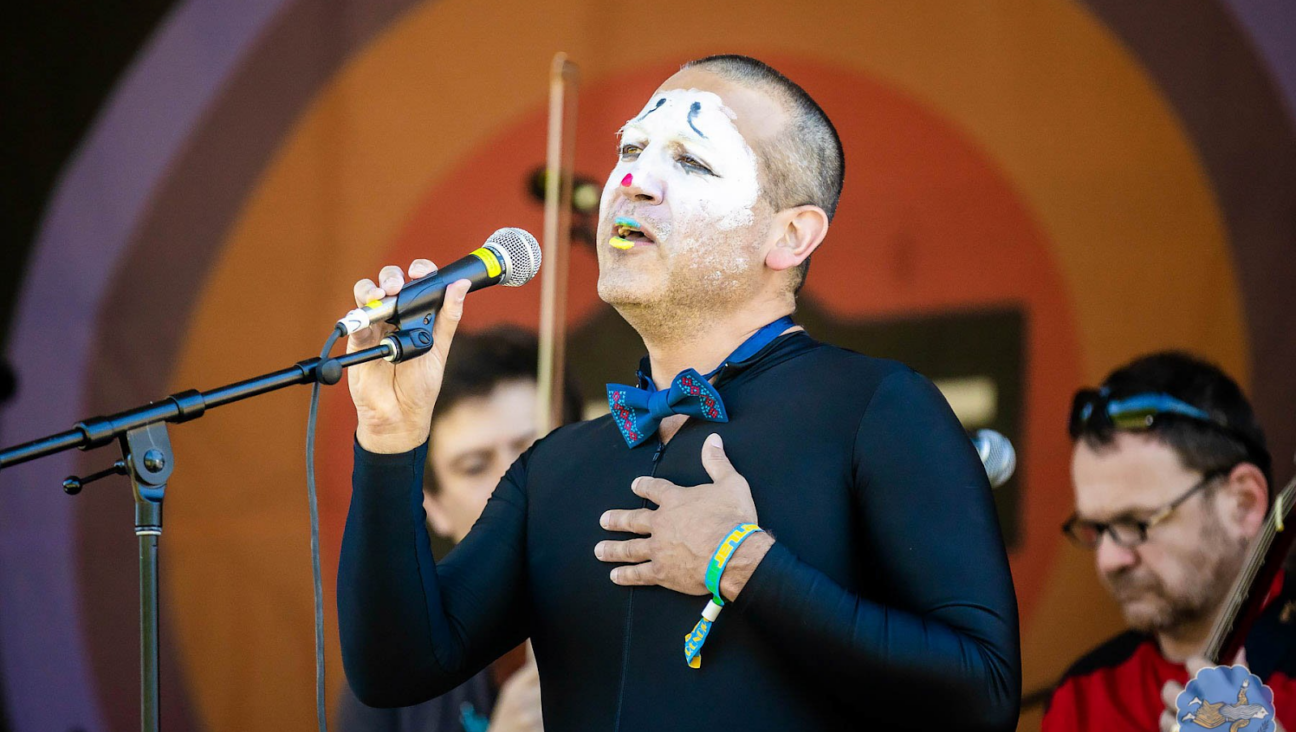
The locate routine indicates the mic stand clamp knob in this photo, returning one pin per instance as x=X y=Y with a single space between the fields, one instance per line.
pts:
x=72 y=485
x=408 y=343
x=411 y=341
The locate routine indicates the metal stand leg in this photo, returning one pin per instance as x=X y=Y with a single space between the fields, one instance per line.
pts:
x=148 y=527
x=147 y=452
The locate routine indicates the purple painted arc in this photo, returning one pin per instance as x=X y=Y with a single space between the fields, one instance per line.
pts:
x=126 y=152
x=95 y=239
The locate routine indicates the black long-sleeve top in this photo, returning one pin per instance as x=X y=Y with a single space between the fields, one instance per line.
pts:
x=885 y=602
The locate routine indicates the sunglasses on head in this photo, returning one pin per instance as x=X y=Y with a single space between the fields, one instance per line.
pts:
x=1095 y=411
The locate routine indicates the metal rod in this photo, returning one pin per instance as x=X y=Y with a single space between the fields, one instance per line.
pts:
x=148 y=527
x=102 y=430
x=559 y=173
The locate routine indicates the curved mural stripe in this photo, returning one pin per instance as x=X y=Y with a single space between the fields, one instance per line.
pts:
x=1268 y=24
x=170 y=250
x=88 y=221
x=1248 y=158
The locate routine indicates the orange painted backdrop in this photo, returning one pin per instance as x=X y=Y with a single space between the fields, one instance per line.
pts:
x=1013 y=154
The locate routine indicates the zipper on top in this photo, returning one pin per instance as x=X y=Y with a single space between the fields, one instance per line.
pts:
x=625 y=649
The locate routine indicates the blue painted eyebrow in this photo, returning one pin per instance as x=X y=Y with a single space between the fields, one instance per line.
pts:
x=694 y=110
x=650 y=111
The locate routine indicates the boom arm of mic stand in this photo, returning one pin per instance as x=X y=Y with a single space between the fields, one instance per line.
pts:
x=186 y=405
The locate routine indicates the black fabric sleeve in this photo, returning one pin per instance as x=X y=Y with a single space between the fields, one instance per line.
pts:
x=946 y=642
x=412 y=629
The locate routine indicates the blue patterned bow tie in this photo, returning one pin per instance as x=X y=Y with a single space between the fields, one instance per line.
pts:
x=639 y=412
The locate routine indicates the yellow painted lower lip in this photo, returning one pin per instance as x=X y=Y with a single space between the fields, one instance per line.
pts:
x=620 y=243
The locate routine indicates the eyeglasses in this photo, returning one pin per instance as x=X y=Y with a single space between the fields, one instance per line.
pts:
x=1130 y=533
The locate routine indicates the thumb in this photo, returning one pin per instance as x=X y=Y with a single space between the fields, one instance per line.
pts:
x=1195 y=664
x=714 y=460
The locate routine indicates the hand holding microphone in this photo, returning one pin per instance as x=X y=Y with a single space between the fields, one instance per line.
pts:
x=394 y=401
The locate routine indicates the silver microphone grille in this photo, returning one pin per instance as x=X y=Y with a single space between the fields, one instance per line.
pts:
x=519 y=252
x=997 y=455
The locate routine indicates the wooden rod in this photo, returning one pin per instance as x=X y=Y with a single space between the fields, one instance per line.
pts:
x=560 y=163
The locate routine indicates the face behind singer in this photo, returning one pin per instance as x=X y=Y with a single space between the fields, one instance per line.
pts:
x=1170 y=476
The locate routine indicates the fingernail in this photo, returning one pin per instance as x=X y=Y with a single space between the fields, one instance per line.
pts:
x=603 y=520
x=714 y=440
x=614 y=574
x=598 y=550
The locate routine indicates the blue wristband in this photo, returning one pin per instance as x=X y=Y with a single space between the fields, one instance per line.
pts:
x=715 y=571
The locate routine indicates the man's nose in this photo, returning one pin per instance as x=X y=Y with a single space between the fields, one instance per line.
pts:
x=1112 y=557
x=641 y=186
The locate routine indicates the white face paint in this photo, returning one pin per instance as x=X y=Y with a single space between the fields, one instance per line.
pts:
x=684 y=144
x=688 y=180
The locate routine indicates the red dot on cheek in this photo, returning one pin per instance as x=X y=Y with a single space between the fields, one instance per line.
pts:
x=628 y=179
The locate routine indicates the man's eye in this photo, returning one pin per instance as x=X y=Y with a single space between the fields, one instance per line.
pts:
x=472 y=469
x=630 y=151
x=692 y=163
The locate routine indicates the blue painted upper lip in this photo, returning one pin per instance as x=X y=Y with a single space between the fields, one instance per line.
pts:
x=639 y=229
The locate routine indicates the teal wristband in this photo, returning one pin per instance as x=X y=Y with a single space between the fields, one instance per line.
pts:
x=723 y=553
x=715 y=570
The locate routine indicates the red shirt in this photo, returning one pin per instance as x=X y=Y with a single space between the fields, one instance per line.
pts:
x=1117 y=686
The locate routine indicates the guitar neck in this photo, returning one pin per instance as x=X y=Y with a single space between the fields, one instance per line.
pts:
x=1264 y=559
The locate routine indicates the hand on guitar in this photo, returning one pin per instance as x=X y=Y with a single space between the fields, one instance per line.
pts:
x=1170 y=692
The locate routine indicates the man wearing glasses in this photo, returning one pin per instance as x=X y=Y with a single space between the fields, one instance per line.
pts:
x=1172 y=480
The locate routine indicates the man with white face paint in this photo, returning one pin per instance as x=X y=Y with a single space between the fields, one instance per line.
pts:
x=830 y=501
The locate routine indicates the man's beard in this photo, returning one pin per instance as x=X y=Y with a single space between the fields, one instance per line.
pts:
x=1151 y=606
x=703 y=279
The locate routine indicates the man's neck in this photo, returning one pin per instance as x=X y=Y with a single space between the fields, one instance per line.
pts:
x=1185 y=641
x=1188 y=639
x=706 y=344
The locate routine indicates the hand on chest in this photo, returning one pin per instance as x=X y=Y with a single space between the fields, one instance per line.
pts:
x=655 y=514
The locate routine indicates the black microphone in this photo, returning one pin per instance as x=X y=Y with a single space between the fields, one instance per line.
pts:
x=997 y=456
x=510 y=257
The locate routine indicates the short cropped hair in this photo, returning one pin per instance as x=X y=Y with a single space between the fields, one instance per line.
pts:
x=804 y=164
x=1200 y=446
x=480 y=362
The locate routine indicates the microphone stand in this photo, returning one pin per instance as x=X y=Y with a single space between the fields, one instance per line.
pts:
x=147 y=458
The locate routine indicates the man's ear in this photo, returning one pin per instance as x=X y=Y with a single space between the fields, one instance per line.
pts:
x=1243 y=501
x=437 y=516
x=797 y=233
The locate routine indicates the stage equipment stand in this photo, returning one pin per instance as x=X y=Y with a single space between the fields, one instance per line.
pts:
x=148 y=459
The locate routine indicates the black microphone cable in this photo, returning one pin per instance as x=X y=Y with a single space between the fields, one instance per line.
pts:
x=321 y=713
